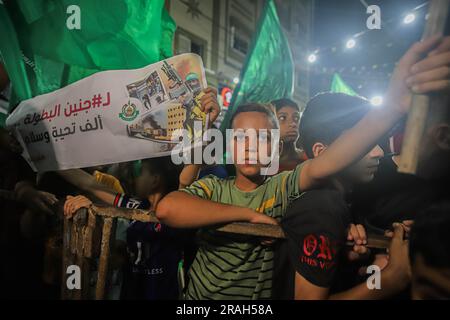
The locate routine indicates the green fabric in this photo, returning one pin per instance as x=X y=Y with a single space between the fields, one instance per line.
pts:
x=234 y=266
x=2 y=119
x=41 y=54
x=268 y=73
x=338 y=85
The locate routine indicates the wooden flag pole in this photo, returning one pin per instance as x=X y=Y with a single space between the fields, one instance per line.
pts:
x=417 y=116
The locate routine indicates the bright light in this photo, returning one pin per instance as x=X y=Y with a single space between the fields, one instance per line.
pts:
x=312 y=58
x=350 y=43
x=409 y=18
x=236 y=80
x=376 y=101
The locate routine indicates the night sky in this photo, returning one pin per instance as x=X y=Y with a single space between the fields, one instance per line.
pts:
x=336 y=21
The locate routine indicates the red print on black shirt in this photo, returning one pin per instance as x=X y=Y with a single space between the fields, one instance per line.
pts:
x=318 y=251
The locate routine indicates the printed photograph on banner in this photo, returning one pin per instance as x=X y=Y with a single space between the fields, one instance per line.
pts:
x=170 y=96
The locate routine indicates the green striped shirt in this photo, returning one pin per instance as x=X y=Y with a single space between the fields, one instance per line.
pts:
x=229 y=266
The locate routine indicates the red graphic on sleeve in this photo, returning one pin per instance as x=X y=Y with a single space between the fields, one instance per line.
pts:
x=309 y=245
x=318 y=251
x=325 y=249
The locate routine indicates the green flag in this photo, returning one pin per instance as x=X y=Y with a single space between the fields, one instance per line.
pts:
x=268 y=72
x=43 y=49
x=3 y=116
x=338 y=85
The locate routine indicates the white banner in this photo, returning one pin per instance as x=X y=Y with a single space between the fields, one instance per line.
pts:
x=111 y=116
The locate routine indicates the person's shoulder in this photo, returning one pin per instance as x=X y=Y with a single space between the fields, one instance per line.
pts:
x=328 y=195
x=322 y=208
x=326 y=201
x=215 y=179
x=282 y=177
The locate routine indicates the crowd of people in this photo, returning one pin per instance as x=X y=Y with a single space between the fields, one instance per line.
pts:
x=336 y=187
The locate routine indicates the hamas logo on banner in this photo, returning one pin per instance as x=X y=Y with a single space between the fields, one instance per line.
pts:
x=129 y=112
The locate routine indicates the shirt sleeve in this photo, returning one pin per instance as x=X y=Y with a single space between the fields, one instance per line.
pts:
x=202 y=188
x=315 y=226
x=289 y=184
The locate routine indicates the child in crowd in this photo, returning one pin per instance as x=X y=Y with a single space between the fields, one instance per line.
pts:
x=288 y=114
x=309 y=262
x=155 y=249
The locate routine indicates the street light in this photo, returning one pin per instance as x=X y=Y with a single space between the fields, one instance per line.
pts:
x=236 y=80
x=350 y=43
x=409 y=18
x=312 y=58
x=376 y=101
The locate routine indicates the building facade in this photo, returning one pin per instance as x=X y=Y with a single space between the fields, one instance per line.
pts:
x=220 y=31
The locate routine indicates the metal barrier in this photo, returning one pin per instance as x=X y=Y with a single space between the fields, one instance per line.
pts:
x=81 y=243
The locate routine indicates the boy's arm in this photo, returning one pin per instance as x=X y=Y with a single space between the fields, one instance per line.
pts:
x=181 y=210
x=209 y=105
x=87 y=183
x=423 y=77
x=188 y=175
x=305 y=290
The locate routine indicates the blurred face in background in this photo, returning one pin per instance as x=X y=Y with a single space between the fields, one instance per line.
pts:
x=289 y=119
x=364 y=170
x=434 y=149
x=147 y=182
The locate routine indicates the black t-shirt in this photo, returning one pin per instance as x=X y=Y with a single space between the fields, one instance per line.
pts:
x=316 y=228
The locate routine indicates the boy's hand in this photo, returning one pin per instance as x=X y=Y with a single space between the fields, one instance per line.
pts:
x=209 y=104
x=398 y=267
x=423 y=69
x=34 y=199
x=407 y=224
x=357 y=233
x=73 y=204
x=261 y=218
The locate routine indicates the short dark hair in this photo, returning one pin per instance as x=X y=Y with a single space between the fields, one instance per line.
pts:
x=285 y=102
x=327 y=115
x=165 y=168
x=430 y=236
x=256 y=107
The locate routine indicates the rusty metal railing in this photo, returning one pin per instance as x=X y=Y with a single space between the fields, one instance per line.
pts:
x=82 y=244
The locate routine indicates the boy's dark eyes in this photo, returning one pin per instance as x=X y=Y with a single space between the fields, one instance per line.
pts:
x=282 y=118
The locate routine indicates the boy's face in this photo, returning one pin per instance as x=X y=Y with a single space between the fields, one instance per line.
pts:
x=434 y=151
x=145 y=183
x=256 y=121
x=289 y=119
x=364 y=170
